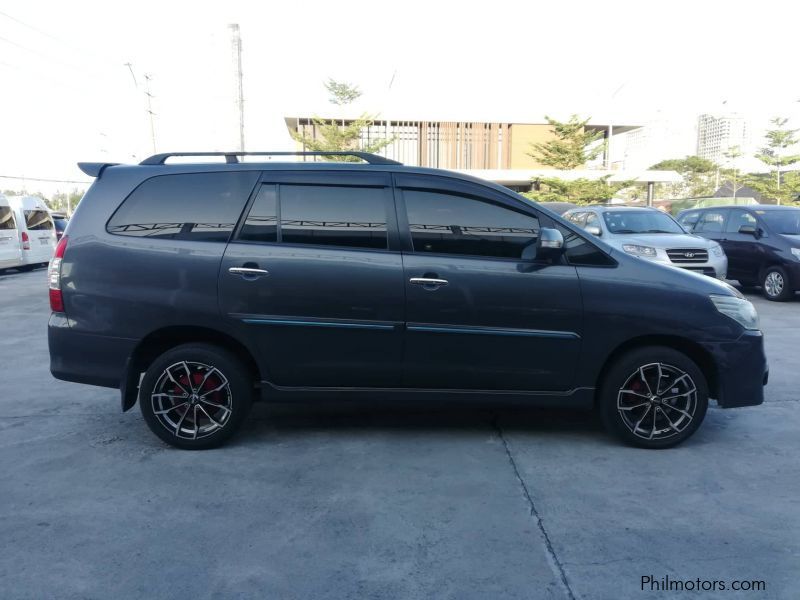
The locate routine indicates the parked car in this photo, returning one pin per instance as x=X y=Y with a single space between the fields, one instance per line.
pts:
x=10 y=249
x=196 y=288
x=653 y=235
x=558 y=207
x=37 y=236
x=762 y=243
x=60 y=221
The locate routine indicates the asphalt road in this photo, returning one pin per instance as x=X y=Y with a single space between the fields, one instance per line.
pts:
x=365 y=501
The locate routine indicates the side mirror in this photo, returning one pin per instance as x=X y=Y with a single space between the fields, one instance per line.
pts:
x=550 y=244
x=594 y=230
x=749 y=230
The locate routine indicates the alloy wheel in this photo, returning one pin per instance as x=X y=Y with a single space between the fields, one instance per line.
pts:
x=192 y=400
x=773 y=284
x=657 y=401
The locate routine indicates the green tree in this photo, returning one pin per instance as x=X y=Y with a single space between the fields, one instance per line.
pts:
x=578 y=191
x=572 y=147
x=337 y=136
x=776 y=154
x=697 y=174
x=65 y=201
x=733 y=154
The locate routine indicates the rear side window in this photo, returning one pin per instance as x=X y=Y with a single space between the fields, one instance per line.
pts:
x=38 y=220
x=189 y=206
x=7 y=218
x=319 y=215
x=453 y=224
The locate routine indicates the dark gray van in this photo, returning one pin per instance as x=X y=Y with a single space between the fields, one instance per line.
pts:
x=197 y=288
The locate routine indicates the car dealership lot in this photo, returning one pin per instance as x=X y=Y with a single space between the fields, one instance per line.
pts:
x=385 y=501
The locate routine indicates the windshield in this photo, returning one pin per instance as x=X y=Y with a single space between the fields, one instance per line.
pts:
x=640 y=221
x=786 y=222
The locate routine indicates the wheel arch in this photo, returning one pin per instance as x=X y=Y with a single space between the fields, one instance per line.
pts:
x=701 y=357
x=159 y=341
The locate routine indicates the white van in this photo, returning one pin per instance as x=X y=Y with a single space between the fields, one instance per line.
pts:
x=10 y=248
x=37 y=233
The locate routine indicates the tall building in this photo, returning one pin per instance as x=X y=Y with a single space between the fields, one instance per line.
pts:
x=716 y=135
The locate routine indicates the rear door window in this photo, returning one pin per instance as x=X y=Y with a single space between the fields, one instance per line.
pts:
x=689 y=220
x=7 y=218
x=318 y=215
x=712 y=221
x=186 y=206
x=37 y=220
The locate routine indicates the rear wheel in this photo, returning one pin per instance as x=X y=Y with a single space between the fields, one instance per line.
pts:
x=775 y=284
x=654 y=397
x=195 y=396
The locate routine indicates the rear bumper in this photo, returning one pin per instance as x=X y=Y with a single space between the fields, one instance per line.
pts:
x=86 y=358
x=742 y=370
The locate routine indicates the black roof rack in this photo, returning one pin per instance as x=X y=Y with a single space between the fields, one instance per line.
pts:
x=233 y=157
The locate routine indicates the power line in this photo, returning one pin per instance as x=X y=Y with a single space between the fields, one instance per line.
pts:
x=43 y=179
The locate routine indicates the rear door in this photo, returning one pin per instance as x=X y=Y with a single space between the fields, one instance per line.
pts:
x=9 y=244
x=743 y=249
x=41 y=232
x=479 y=315
x=314 y=278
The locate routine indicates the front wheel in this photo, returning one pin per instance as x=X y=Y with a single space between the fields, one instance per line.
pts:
x=654 y=397
x=775 y=284
x=195 y=396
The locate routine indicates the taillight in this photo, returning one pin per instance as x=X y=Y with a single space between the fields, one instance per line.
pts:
x=26 y=241
x=54 y=276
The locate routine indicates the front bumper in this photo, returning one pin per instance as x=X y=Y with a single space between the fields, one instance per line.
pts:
x=742 y=370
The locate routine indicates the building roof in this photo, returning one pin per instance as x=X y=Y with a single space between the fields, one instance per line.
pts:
x=524 y=176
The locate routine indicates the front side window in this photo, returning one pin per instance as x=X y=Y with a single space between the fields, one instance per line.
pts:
x=640 y=221
x=738 y=219
x=187 y=206
x=444 y=223
x=38 y=220
x=7 y=218
x=592 y=220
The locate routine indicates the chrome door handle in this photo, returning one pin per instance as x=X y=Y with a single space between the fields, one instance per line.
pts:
x=248 y=272
x=428 y=281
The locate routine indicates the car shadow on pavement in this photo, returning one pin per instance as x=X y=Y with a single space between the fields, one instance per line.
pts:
x=435 y=417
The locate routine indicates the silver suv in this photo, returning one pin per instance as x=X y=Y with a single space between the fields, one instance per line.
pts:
x=651 y=234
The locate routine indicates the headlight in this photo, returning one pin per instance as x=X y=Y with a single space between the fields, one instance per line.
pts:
x=796 y=253
x=716 y=250
x=739 y=309
x=639 y=250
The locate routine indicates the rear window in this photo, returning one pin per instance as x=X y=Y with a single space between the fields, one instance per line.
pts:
x=38 y=219
x=7 y=218
x=61 y=224
x=188 y=206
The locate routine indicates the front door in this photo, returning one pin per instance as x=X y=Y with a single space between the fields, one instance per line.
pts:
x=481 y=313
x=743 y=250
x=312 y=279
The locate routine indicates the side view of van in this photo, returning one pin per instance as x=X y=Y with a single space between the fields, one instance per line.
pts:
x=37 y=237
x=10 y=249
x=195 y=289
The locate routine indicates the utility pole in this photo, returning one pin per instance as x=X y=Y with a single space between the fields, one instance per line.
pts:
x=236 y=47
x=151 y=114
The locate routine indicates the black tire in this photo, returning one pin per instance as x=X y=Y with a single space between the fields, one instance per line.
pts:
x=678 y=417
x=775 y=284
x=221 y=396
x=26 y=268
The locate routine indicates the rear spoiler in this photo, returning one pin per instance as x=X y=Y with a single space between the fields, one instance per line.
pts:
x=94 y=169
